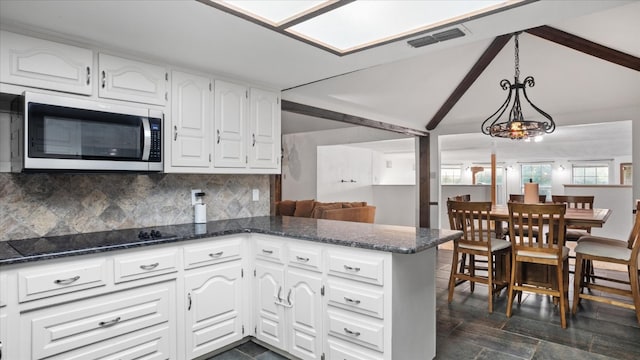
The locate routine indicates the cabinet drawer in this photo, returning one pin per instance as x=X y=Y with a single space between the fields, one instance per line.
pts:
x=211 y=253
x=56 y=280
x=269 y=250
x=351 y=297
x=309 y=258
x=146 y=264
x=344 y=351
x=359 y=267
x=57 y=329
x=148 y=344
x=356 y=329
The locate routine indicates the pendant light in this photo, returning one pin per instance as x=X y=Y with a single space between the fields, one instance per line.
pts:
x=515 y=127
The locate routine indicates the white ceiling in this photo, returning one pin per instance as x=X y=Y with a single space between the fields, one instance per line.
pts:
x=393 y=83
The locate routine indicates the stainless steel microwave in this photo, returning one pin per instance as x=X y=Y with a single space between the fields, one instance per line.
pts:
x=56 y=133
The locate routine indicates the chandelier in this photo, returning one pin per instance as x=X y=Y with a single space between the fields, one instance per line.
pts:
x=516 y=127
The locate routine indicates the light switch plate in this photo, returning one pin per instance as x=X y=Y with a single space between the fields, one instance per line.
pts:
x=256 y=194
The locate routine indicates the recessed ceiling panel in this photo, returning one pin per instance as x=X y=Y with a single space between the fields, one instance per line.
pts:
x=346 y=26
x=274 y=12
x=362 y=23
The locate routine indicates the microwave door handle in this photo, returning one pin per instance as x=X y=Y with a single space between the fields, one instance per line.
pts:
x=146 y=146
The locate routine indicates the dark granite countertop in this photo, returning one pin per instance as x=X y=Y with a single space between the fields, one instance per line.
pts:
x=389 y=238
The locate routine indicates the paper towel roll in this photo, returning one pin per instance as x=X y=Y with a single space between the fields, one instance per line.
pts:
x=200 y=213
x=531 y=193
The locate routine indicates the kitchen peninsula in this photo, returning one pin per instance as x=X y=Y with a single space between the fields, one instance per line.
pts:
x=306 y=287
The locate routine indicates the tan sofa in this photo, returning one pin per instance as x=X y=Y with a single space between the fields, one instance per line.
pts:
x=345 y=211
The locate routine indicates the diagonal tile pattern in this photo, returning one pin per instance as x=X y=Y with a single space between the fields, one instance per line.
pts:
x=33 y=205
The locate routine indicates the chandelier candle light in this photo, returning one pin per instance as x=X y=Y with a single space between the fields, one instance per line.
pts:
x=516 y=127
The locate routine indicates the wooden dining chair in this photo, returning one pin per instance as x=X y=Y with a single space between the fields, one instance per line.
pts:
x=519 y=198
x=609 y=252
x=463 y=258
x=579 y=202
x=465 y=197
x=544 y=253
x=472 y=218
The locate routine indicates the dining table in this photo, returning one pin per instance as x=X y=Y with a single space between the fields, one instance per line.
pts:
x=535 y=273
x=573 y=217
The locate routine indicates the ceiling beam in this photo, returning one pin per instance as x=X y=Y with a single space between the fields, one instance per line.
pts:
x=356 y=120
x=586 y=46
x=477 y=69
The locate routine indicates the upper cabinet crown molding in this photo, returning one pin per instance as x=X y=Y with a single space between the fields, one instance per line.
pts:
x=45 y=64
x=129 y=80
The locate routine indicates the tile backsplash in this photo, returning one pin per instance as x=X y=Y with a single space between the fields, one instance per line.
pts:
x=34 y=205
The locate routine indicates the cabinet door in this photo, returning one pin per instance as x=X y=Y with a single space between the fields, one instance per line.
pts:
x=264 y=150
x=214 y=314
x=190 y=120
x=4 y=331
x=305 y=316
x=269 y=314
x=230 y=121
x=130 y=80
x=45 y=64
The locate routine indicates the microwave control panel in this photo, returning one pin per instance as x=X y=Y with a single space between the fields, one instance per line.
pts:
x=156 y=140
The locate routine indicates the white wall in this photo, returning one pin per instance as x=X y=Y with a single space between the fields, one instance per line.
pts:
x=395 y=204
x=635 y=126
x=617 y=199
x=299 y=166
x=344 y=174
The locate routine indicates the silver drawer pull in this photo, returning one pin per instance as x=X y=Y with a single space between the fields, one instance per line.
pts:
x=352 y=333
x=218 y=254
x=356 y=269
x=149 y=267
x=67 y=281
x=109 y=323
x=267 y=251
x=351 y=301
x=302 y=259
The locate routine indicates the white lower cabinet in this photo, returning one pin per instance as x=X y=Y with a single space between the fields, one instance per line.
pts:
x=288 y=300
x=149 y=344
x=66 y=327
x=4 y=331
x=214 y=314
x=304 y=317
x=188 y=300
x=269 y=304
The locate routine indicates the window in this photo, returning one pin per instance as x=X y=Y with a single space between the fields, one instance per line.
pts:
x=590 y=174
x=450 y=175
x=484 y=177
x=537 y=173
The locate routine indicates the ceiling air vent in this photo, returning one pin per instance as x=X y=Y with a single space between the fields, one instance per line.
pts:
x=436 y=37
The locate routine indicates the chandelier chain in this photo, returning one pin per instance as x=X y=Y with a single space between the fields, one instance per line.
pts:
x=517 y=58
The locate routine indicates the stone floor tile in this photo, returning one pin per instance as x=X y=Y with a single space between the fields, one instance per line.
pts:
x=551 y=351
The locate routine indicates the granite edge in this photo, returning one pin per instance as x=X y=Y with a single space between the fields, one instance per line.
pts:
x=334 y=241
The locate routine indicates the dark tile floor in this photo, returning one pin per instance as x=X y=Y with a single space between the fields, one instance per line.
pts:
x=465 y=329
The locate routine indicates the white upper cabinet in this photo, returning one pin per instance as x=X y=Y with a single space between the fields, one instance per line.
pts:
x=45 y=64
x=230 y=124
x=264 y=149
x=130 y=80
x=190 y=125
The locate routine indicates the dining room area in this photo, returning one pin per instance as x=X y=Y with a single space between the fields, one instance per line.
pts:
x=547 y=266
